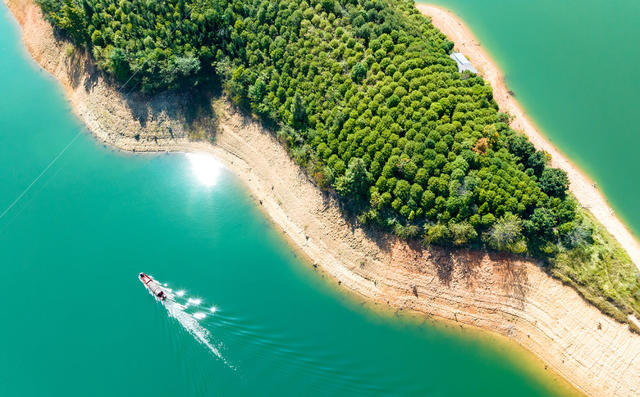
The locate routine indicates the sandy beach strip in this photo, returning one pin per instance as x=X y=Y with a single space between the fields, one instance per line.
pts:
x=582 y=187
x=495 y=292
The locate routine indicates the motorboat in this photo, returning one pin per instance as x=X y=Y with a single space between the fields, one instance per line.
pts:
x=153 y=286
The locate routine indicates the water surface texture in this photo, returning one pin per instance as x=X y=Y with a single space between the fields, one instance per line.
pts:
x=572 y=65
x=249 y=317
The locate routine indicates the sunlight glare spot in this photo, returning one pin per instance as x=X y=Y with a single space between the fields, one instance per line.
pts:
x=199 y=315
x=213 y=309
x=205 y=168
x=194 y=301
x=180 y=293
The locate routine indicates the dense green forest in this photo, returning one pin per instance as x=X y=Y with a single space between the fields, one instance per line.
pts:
x=366 y=98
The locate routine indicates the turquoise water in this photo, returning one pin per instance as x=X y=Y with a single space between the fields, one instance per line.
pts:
x=77 y=322
x=573 y=66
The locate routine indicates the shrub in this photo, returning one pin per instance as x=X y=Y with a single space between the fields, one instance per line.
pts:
x=506 y=234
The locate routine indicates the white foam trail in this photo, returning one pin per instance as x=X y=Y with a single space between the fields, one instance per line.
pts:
x=194 y=301
x=190 y=322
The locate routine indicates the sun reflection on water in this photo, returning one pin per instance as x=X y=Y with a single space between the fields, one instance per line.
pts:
x=205 y=168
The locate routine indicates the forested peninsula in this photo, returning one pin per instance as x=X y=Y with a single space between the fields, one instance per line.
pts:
x=366 y=99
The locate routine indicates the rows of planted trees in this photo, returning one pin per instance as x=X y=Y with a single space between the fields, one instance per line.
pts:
x=365 y=97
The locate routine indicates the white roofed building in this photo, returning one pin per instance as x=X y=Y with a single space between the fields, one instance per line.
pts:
x=463 y=62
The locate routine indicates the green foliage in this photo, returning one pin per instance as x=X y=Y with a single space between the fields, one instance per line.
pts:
x=437 y=234
x=600 y=270
x=541 y=225
x=119 y=65
x=462 y=233
x=68 y=15
x=537 y=162
x=160 y=45
x=554 y=182
x=358 y=72
x=506 y=235
x=367 y=99
x=355 y=182
x=575 y=234
x=298 y=112
x=328 y=5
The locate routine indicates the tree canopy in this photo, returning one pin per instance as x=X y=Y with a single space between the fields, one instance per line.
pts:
x=375 y=107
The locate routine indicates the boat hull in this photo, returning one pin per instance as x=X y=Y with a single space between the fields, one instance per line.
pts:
x=152 y=286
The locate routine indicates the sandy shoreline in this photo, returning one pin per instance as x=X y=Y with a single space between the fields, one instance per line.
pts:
x=494 y=292
x=582 y=187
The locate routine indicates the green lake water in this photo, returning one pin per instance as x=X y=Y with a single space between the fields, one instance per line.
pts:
x=77 y=322
x=573 y=66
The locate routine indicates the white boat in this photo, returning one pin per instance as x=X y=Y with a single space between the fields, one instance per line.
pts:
x=153 y=286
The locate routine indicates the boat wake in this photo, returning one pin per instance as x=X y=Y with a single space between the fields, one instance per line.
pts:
x=188 y=320
x=190 y=323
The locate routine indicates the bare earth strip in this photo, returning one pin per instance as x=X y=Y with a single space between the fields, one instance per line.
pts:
x=583 y=188
x=511 y=297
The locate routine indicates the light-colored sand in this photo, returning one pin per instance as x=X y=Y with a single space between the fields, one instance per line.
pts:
x=582 y=187
x=493 y=292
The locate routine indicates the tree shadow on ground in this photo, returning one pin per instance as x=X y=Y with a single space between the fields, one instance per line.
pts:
x=444 y=263
x=79 y=65
x=512 y=275
x=186 y=113
x=176 y=114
